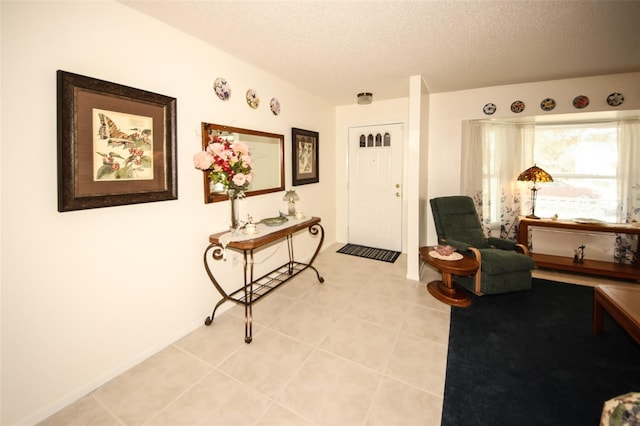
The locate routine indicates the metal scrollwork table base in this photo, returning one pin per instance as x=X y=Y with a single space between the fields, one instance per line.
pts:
x=254 y=289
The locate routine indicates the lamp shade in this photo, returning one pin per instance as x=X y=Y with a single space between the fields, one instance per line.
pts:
x=291 y=196
x=535 y=174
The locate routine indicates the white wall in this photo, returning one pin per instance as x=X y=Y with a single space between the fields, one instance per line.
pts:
x=449 y=110
x=423 y=178
x=87 y=294
x=418 y=110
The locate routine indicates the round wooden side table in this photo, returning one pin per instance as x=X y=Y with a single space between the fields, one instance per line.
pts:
x=444 y=290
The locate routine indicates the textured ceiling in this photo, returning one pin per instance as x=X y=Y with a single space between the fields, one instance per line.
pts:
x=336 y=49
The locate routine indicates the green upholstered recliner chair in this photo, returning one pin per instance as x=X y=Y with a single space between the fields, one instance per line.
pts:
x=505 y=266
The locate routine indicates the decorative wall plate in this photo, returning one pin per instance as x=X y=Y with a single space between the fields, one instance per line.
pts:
x=489 y=108
x=275 y=106
x=517 y=106
x=253 y=100
x=547 y=104
x=222 y=89
x=580 y=102
x=615 y=99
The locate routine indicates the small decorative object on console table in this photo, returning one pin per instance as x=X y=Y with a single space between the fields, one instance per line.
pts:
x=534 y=174
x=578 y=254
x=228 y=164
x=254 y=288
x=291 y=197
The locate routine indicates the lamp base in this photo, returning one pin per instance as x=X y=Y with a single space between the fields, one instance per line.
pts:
x=532 y=216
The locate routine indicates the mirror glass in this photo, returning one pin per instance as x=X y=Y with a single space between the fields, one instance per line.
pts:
x=267 y=155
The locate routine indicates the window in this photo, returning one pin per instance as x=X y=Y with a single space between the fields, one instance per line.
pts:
x=595 y=166
x=380 y=140
x=582 y=159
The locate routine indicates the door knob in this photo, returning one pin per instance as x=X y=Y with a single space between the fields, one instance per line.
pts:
x=397 y=185
x=397 y=194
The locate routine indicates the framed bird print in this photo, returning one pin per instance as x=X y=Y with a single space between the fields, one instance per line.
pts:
x=304 y=151
x=116 y=144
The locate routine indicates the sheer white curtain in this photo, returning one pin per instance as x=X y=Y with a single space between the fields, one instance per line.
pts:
x=493 y=155
x=628 y=188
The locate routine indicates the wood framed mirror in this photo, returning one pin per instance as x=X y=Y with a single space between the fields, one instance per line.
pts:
x=267 y=154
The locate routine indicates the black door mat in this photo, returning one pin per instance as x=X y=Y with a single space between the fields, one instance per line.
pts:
x=370 y=253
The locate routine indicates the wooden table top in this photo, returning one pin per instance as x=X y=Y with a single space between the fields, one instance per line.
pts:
x=267 y=234
x=623 y=228
x=626 y=298
x=465 y=266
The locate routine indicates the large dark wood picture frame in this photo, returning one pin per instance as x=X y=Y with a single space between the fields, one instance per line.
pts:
x=305 y=157
x=116 y=144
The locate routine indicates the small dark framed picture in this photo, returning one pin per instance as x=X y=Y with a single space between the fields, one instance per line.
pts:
x=116 y=144
x=305 y=155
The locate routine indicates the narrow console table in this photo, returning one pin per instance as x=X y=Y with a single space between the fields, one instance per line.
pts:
x=254 y=289
x=610 y=269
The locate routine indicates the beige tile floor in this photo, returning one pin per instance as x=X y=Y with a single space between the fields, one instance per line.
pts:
x=367 y=347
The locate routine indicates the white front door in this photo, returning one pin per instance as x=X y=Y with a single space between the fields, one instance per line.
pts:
x=375 y=186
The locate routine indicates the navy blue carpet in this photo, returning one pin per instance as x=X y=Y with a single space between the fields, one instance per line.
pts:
x=530 y=358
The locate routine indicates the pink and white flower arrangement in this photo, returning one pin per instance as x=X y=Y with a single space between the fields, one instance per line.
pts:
x=228 y=163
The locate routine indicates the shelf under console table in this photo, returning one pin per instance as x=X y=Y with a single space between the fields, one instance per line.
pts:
x=596 y=267
x=254 y=289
